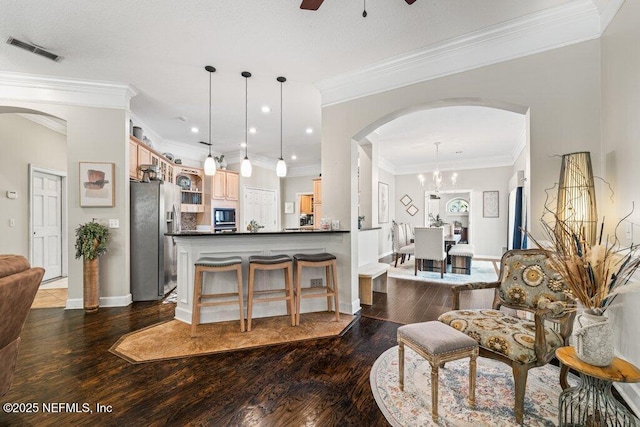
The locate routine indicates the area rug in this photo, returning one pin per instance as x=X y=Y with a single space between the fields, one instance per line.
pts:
x=172 y=339
x=481 y=271
x=494 y=393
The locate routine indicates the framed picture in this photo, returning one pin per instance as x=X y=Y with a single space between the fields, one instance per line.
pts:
x=406 y=199
x=288 y=207
x=383 y=202
x=490 y=204
x=97 y=184
x=412 y=210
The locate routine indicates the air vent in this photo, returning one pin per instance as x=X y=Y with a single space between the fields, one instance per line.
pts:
x=33 y=49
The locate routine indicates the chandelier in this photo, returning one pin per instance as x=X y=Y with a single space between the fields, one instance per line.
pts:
x=438 y=183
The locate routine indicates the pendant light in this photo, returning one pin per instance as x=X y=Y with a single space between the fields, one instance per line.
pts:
x=281 y=166
x=245 y=167
x=209 y=163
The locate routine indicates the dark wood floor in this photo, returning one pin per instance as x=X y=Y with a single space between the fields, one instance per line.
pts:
x=64 y=358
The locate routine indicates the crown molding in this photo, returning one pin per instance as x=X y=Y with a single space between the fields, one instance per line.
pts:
x=311 y=170
x=608 y=11
x=570 y=23
x=46 y=121
x=61 y=90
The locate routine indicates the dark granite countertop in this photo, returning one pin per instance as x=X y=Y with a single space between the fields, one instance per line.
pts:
x=288 y=231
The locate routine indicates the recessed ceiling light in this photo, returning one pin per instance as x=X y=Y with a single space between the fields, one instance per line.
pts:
x=194 y=129
x=293 y=157
x=252 y=130
x=309 y=131
x=243 y=144
x=266 y=109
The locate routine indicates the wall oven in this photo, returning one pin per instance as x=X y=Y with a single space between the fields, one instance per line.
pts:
x=224 y=219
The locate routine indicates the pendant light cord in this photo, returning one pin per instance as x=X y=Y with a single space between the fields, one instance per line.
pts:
x=210 y=114
x=281 y=120
x=246 y=116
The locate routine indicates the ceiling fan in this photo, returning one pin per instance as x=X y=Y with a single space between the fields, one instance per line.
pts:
x=315 y=4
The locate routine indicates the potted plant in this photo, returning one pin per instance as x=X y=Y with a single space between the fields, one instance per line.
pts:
x=91 y=243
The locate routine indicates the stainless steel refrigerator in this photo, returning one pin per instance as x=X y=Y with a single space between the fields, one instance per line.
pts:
x=155 y=210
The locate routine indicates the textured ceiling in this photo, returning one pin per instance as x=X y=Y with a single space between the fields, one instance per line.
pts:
x=160 y=47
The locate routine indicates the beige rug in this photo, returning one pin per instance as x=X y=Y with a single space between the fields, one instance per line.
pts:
x=172 y=340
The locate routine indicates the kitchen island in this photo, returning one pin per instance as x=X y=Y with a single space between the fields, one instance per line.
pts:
x=191 y=245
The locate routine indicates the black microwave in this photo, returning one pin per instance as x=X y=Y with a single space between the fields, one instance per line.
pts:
x=224 y=219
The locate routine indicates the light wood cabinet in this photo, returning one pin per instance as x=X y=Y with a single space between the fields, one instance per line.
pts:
x=225 y=186
x=317 y=202
x=192 y=200
x=317 y=190
x=141 y=154
x=306 y=205
x=133 y=159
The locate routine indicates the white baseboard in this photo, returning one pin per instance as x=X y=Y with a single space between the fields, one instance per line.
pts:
x=385 y=254
x=119 y=301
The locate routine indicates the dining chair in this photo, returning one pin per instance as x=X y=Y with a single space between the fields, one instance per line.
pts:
x=429 y=246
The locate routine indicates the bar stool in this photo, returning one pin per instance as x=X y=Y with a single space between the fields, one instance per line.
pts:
x=215 y=265
x=331 y=276
x=271 y=262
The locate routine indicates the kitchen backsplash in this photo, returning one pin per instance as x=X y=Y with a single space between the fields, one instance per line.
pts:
x=188 y=221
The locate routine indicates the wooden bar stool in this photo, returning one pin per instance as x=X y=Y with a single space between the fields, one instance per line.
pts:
x=215 y=265
x=328 y=261
x=271 y=262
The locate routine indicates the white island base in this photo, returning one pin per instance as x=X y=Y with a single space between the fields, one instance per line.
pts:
x=193 y=245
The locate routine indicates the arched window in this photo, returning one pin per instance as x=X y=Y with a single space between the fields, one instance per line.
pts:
x=458 y=206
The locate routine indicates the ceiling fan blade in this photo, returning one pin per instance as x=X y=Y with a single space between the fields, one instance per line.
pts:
x=311 y=4
x=410 y=1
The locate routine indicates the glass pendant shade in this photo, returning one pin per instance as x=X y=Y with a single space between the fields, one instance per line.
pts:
x=281 y=168
x=245 y=167
x=209 y=166
x=576 y=209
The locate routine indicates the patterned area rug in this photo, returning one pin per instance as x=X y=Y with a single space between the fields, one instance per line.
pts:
x=481 y=271
x=494 y=393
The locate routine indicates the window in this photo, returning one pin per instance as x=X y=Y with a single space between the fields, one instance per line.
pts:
x=458 y=206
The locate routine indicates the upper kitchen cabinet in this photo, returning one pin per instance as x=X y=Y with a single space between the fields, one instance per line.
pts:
x=190 y=182
x=317 y=190
x=226 y=185
x=142 y=154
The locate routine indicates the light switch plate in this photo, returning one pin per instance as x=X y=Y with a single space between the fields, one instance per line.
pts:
x=12 y=222
x=114 y=223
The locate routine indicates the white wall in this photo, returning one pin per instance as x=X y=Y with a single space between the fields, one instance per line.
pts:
x=488 y=235
x=560 y=88
x=385 y=244
x=620 y=158
x=23 y=142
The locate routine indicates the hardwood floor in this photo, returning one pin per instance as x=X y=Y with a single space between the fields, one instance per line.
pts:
x=64 y=358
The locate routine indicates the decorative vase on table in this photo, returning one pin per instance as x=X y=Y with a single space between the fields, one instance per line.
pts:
x=593 y=338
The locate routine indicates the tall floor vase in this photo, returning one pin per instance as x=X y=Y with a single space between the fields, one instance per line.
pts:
x=91 y=284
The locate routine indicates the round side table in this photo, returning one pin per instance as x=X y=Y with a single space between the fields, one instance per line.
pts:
x=591 y=402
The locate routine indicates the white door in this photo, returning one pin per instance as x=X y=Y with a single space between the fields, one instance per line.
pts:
x=46 y=241
x=260 y=205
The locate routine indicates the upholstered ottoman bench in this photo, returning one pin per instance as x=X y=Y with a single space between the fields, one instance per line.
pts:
x=438 y=343
x=461 y=258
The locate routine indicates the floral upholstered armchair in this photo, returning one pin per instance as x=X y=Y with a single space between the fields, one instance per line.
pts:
x=526 y=283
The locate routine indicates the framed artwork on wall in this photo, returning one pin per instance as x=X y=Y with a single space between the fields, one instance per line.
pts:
x=289 y=207
x=97 y=184
x=383 y=202
x=406 y=200
x=412 y=210
x=490 y=204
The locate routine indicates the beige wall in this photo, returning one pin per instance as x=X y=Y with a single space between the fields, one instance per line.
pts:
x=95 y=135
x=560 y=88
x=23 y=142
x=621 y=164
